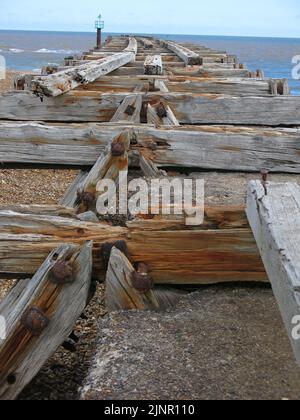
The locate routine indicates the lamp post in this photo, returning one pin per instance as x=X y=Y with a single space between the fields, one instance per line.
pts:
x=99 y=25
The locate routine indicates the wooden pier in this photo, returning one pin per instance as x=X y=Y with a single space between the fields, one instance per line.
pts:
x=136 y=104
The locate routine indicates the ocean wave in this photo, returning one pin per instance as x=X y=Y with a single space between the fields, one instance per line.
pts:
x=16 y=50
x=47 y=51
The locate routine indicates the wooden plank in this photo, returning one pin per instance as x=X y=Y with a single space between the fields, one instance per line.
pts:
x=153 y=65
x=161 y=115
x=40 y=314
x=224 y=109
x=209 y=147
x=176 y=257
x=214 y=72
x=188 y=56
x=64 y=81
x=188 y=108
x=275 y=221
x=122 y=295
x=71 y=195
x=234 y=86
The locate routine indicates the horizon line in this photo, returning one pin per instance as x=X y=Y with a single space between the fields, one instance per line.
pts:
x=152 y=33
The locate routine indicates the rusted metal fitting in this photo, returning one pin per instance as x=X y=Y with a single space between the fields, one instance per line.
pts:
x=118 y=149
x=141 y=280
x=130 y=110
x=88 y=198
x=35 y=321
x=161 y=110
x=264 y=175
x=62 y=273
x=107 y=247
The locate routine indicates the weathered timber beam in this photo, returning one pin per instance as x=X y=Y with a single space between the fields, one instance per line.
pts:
x=40 y=314
x=64 y=81
x=161 y=115
x=224 y=109
x=113 y=160
x=274 y=214
x=209 y=147
x=188 y=108
x=230 y=86
x=188 y=56
x=147 y=44
x=184 y=256
x=127 y=289
x=153 y=65
x=219 y=71
x=129 y=111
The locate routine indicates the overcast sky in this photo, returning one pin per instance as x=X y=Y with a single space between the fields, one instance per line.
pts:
x=202 y=17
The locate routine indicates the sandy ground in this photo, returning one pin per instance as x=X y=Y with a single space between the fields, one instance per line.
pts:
x=221 y=343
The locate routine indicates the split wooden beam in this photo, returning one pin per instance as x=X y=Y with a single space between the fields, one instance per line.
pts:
x=274 y=214
x=222 y=250
x=189 y=57
x=66 y=80
x=40 y=314
x=153 y=65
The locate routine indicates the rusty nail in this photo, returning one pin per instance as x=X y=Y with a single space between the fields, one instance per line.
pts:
x=35 y=321
x=117 y=149
x=264 y=174
x=141 y=280
x=62 y=273
x=130 y=110
x=161 y=110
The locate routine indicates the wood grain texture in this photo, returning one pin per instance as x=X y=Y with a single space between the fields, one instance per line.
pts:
x=23 y=354
x=275 y=221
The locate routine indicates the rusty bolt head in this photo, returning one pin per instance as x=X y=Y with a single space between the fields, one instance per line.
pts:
x=130 y=110
x=35 y=321
x=141 y=280
x=88 y=199
x=62 y=273
x=117 y=149
x=161 y=111
x=264 y=175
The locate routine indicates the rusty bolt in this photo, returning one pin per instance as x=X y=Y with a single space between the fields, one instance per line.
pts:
x=130 y=110
x=88 y=199
x=141 y=280
x=117 y=149
x=35 y=321
x=264 y=175
x=62 y=273
x=161 y=110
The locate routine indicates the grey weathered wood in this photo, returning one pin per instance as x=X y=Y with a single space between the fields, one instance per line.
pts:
x=22 y=354
x=275 y=221
x=121 y=295
x=129 y=110
x=153 y=65
x=155 y=119
x=188 y=108
x=213 y=72
x=66 y=80
x=230 y=86
x=209 y=147
x=70 y=197
x=148 y=167
x=188 y=56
